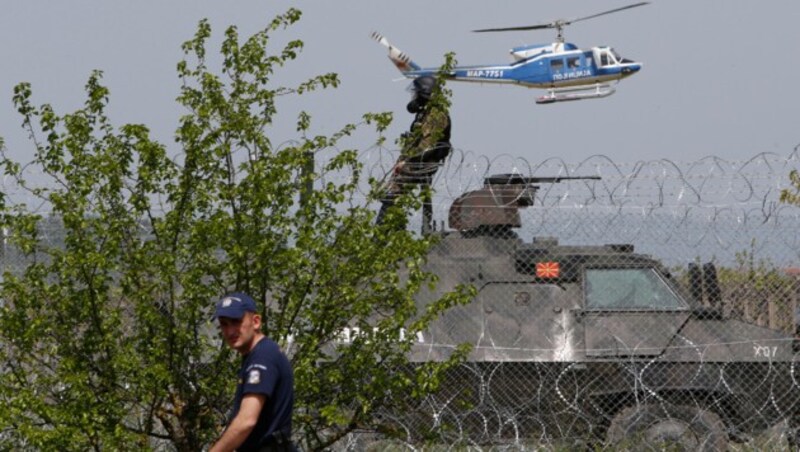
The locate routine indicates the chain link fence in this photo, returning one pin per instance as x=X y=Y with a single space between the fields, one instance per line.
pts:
x=651 y=302
x=637 y=306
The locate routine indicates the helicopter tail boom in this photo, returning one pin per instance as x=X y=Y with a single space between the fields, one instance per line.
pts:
x=400 y=59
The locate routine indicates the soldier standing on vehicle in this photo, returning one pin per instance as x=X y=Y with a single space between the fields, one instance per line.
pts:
x=261 y=418
x=423 y=149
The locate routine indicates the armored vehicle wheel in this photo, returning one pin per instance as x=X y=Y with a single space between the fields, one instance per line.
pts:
x=665 y=426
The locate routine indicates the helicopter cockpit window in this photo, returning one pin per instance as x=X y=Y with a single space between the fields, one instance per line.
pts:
x=608 y=57
x=629 y=288
x=557 y=64
x=573 y=62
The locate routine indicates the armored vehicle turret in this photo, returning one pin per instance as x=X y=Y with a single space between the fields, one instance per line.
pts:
x=592 y=344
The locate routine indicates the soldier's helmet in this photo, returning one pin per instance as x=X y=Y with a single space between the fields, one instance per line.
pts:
x=423 y=86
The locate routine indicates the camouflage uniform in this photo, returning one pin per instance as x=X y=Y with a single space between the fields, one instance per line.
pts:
x=424 y=147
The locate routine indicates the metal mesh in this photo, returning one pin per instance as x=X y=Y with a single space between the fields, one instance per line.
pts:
x=658 y=303
x=654 y=307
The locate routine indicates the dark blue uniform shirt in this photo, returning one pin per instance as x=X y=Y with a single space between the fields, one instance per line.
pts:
x=266 y=370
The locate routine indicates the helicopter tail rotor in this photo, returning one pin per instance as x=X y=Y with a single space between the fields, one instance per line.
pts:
x=400 y=59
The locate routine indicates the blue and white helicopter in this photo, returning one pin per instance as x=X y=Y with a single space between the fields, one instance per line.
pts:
x=565 y=71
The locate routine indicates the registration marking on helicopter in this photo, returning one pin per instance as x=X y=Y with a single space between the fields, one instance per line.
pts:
x=571 y=75
x=485 y=73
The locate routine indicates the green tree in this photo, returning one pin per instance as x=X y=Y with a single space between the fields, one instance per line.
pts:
x=754 y=287
x=792 y=196
x=106 y=337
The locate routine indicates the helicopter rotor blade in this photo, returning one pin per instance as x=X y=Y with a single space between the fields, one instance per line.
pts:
x=606 y=12
x=527 y=27
x=559 y=23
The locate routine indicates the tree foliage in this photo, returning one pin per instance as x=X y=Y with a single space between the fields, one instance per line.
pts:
x=106 y=334
x=754 y=286
x=792 y=196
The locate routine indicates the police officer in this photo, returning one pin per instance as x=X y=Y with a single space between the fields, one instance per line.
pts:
x=261 y=418
x=423 y=148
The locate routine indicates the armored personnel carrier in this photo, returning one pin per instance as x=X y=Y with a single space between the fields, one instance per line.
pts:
x=589 y=345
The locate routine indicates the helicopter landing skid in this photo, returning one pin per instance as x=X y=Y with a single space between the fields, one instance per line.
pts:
x=596 y=91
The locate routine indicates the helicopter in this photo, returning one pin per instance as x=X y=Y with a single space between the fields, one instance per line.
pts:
x=567 y=72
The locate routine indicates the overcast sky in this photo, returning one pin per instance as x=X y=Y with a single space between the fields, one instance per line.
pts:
x=720 y=76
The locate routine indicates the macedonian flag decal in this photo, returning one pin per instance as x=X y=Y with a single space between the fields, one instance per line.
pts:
x=547 y=270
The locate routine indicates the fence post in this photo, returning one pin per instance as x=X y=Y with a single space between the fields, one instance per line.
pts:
x=772 y=312
x=794 y=308
x=794 y=304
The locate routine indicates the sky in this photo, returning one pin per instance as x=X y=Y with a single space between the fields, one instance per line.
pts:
x=719 y=78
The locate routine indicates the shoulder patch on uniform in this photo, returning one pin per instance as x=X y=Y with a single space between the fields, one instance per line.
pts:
x=254 y=377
